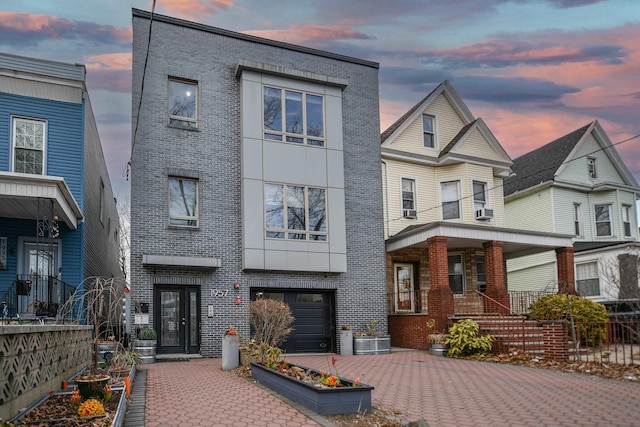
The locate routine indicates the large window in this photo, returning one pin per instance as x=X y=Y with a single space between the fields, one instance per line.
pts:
x=450 y=200
x=626 y=220
x=29 y=146
x=587 y=281
x=183 y=202
x=456 y=273
x=603 y=220
x=428 y=132
x=295 y=213
x=577 y=219
x=297 y=117
x=183 y=103
x=408 y=198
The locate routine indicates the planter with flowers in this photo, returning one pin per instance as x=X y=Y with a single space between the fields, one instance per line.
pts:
x=324 y=393
x=230 y=351
x=372 y=341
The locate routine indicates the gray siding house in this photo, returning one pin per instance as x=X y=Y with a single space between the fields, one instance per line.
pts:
x=255 y=173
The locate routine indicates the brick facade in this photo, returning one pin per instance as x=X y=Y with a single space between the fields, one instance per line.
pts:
x=212 y=154
x=566 y=272
x=440 y=295
x=496 y=283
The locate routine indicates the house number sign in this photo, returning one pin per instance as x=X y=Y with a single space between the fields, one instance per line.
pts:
x=220 y=293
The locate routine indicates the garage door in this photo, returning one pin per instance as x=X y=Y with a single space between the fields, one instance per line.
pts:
x=314 y=326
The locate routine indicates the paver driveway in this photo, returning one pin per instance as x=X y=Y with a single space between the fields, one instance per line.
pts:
x=444 y=391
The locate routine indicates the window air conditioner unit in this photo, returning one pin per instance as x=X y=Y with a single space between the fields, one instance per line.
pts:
x=484 y=214
x=409 y=213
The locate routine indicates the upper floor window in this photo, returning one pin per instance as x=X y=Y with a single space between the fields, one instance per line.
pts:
x=408 y=198
x=29 y=143
x=428 y=132
x=603 y=220
x=183 y=202
x=183 y=103
x=587 y=280
x=295 y=212
x=626 y=220
x=479 y=195
x=591 y=164
x=456 y=273
x=450 y=200
x=577 y=219
x=297 y=117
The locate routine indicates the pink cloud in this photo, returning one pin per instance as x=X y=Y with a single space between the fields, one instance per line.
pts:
x=111 y=71
x=298 y=34
x=193 y=9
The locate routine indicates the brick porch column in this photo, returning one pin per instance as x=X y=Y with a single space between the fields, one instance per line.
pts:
x=496 y=286
x=566 y=273
x=440 y=297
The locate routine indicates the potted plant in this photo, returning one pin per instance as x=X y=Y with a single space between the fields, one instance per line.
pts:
x=230 y=351
x=122 y=362
x=436 y=340
x=372 y=341
x=145 y=344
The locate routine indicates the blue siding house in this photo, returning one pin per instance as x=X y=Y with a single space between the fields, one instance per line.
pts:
x=58 y=217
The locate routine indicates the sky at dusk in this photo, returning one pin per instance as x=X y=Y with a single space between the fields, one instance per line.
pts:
x=534 y=70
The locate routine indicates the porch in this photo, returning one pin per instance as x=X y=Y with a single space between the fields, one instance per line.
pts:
x=33 y=296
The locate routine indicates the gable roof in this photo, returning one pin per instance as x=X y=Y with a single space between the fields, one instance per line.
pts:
x=541 y=165
x=400 y=124
x=545 y=163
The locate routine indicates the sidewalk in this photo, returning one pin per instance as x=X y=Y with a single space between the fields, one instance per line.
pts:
x=444 y=391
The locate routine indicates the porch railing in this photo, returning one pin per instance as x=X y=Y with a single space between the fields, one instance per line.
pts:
x=33 y=295
x=522 y=300
x=408 y=302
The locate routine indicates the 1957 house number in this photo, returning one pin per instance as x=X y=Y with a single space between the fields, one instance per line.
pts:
x=220 y=293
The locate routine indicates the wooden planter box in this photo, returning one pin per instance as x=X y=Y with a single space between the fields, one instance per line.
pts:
x=372 y=345
x=324 y=401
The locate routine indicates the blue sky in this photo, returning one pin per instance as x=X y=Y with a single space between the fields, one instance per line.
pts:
x=533 y=70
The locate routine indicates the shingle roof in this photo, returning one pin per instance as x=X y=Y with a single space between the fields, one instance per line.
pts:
x=541 y=165
x=457 y=138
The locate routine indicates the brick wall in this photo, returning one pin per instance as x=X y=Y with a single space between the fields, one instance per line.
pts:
x=556 y=344
x=212 y=152
x=409 y=331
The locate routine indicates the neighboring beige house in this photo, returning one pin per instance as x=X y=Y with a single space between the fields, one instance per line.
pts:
x=578 y=185
x=445 y=226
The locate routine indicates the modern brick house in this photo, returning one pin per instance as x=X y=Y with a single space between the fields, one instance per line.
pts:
x=447 y=238
x=579 y=185
x=58 y=218
x=255 y=173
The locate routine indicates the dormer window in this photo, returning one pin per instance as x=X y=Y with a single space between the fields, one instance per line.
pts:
x=591 y=164
x=428 y=132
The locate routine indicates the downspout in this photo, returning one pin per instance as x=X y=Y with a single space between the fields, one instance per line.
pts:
x=386 y=192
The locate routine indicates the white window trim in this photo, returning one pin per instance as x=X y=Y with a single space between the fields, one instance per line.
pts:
x=627 y=211
x=196 y=217
x=592 y=170
x=415 y=197
x=487 y=202
x=284 y=134
x=401 y=296
x=611 y=223
x=459 y=199
x=45 y=124
x=435 y=139
x=182 y=118
x=577 y=211
x=464 y=273
x=598 y=276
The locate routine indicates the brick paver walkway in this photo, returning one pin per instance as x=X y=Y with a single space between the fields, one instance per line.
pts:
x=445 y=392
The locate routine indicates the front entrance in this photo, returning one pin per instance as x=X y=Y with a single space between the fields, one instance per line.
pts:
x=314 y=324
x=39 y=263
x=178 y=319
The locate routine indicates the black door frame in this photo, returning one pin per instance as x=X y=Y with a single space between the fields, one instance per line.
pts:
x=185 y=340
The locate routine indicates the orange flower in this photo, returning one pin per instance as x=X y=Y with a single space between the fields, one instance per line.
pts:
x=332 y=381
x=356 y=381
x=334 y=359
x=75 y=395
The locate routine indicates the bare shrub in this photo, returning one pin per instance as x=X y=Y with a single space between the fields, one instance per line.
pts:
x=271 y=321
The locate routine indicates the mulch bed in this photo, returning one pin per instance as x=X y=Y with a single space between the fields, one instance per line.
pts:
x=58 y=411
